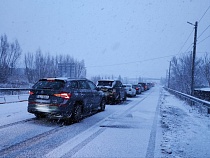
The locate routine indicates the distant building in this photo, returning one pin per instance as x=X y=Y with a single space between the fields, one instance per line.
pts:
x=67 y=70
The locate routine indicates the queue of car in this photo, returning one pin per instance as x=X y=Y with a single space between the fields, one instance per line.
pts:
x=71 y=99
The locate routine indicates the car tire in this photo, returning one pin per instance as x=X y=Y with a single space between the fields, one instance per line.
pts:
x=39 y=116
x=119 y=99
x=125 y=98
x=102 y=105
x=77 y=113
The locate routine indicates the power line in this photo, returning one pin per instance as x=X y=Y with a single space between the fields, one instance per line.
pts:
x=140 y=61
x=204 y=39
x=185 y=41
x=192 y=32
x=164 y=56
x=203 y=31
x=189 y=47
x=204 y=14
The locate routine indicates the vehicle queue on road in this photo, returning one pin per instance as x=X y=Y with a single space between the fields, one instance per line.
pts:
x=72 y=99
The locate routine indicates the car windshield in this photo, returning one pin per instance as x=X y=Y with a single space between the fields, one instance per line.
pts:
x=128 y=85
x=105 y=83
x=44 y=84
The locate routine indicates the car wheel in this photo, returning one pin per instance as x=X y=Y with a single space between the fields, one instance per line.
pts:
x=39 y=116
x=77 y=113
x=102 y=105
x=118 y=100
x=125 y=98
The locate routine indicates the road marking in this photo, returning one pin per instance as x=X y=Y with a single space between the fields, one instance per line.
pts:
x=71 y=146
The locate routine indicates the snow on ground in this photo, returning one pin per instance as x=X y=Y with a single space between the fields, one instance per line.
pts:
x=13 y=110
x=182 y=131
x=185 y=131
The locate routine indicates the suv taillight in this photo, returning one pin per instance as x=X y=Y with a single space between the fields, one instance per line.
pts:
x=63 y=95
x=31 y=93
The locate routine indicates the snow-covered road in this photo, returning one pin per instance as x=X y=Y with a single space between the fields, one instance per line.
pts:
x=153 y=124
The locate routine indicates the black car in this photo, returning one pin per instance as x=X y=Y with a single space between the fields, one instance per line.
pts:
x=144 y=85
x=113 y=89
x=65 y=98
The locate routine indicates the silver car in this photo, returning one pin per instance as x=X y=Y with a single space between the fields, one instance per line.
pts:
x=130 y=90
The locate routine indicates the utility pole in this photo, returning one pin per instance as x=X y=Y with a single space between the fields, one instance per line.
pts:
x=193 y=57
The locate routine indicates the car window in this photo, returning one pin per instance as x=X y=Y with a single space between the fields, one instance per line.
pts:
x=84 y=85
x=49 y=84
x=105 y=83
x=92 y=85
x=118 y=84
x=72 y=84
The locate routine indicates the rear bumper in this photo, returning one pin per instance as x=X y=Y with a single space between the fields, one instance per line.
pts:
x=50 y=111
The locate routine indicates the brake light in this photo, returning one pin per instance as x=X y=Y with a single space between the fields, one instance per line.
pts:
x=63 y=95
x=50 y=79
x=31 y=93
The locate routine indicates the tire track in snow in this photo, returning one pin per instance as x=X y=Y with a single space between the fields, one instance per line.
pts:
x=16 y=123
x=151 y=144
x=28 y=142
x=68 y=149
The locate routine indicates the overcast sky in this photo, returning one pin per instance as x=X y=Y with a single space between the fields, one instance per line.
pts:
x=130 y=38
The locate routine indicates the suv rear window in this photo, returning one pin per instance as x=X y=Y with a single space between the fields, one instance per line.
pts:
x=49 y=84
x=105 y=83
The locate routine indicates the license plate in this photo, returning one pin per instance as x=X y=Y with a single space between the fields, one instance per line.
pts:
x=104 y=90
x=42 y=96
x=43 y=101
x=43 y=108
x=106 y=93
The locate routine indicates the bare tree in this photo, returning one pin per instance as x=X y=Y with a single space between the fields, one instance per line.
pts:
x=80 y=69
x=95 y=79
x=206 y=68
x=9 y=55
x=29 y=67
x=181 y=73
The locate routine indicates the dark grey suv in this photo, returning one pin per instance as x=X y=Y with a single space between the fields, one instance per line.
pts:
x=113 y=89
x=65 y=98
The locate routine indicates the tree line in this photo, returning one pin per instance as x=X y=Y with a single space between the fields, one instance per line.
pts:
x=39 y=65
x=36 y=64
x=180 y=77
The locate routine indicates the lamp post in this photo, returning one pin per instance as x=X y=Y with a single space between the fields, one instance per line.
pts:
x=193 y=57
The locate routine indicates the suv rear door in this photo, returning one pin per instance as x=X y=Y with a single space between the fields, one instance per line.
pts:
x=96 y=94
x=86 y=95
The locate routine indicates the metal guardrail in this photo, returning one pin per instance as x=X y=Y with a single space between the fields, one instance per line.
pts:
x=13 y=90
x=11 y=95
x=190 y=99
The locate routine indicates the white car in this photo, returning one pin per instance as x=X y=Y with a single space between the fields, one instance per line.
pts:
x=130 y=90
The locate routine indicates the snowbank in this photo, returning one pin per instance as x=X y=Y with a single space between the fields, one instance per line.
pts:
x=185 y=132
